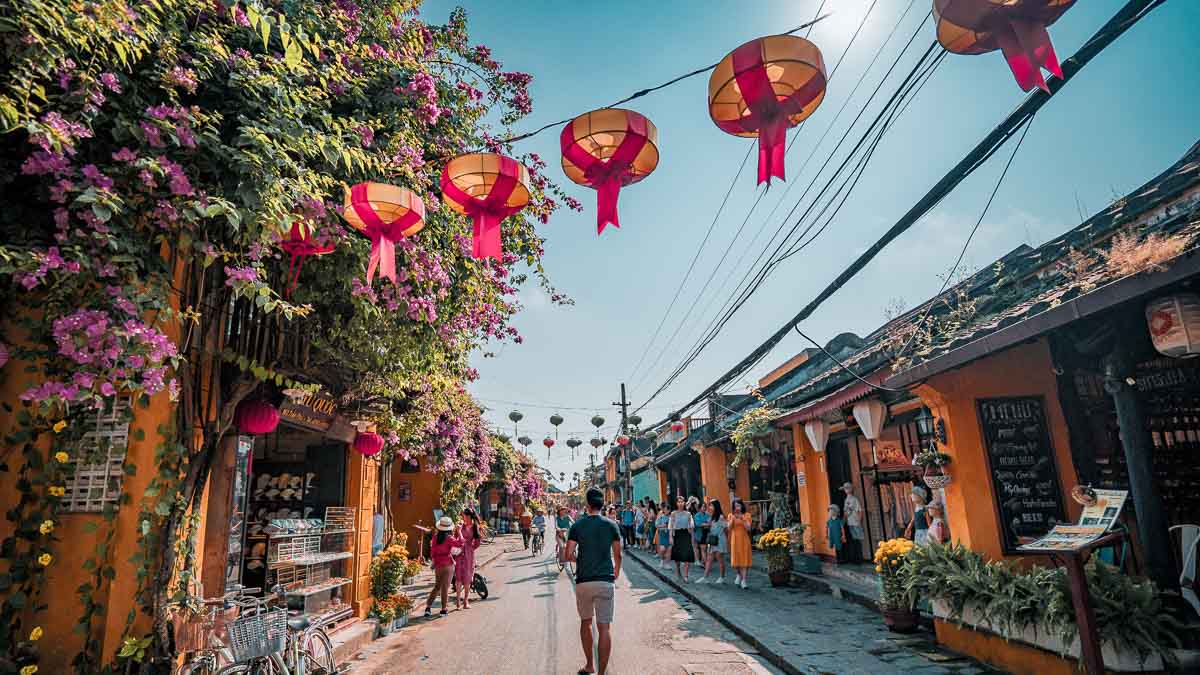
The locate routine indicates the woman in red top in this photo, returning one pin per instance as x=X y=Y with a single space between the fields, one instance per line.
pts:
x=442 y=550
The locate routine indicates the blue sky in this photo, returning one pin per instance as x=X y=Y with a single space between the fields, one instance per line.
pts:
x=1128 y=115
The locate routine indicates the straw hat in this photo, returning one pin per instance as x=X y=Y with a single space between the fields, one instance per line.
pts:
x=445 y=524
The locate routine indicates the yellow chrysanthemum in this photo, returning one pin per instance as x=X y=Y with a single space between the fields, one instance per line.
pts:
x=878 y=568
x=46 y=527
x=59 y=426
x=28 y=670
x=61 y=457
x=35 y=634
x=45 y=559
x=57 y=491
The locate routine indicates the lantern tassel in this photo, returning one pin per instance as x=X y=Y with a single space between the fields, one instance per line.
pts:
x=772 y=145
x=607 y=193
x=296 y=263
x=383 y=258
x=1027 y=47
x=486 y=242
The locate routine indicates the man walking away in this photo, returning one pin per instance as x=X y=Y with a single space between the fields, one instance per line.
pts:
x=627 y=523
x=594 y=544
x=525 y=522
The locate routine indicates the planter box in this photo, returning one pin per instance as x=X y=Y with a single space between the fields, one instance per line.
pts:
x=1114 y=660
x=400 y=622
x=384 y=629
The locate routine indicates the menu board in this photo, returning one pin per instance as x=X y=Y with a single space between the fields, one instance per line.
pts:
x=1095 y=521
x=1021 y=463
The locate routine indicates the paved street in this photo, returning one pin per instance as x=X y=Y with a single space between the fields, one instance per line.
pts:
x=529 y=625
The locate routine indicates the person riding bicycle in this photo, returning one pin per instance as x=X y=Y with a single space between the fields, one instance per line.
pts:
x=539 y=524
x=561 y=525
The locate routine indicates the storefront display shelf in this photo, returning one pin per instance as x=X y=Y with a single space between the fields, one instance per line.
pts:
x=315 y=559
x=326 y=585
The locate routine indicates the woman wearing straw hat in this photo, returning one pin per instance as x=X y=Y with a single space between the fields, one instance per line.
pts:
x=442 y=550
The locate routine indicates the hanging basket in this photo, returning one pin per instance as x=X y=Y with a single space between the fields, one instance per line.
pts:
x=937 y=481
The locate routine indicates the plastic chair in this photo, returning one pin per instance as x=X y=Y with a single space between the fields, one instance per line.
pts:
x=1189 y=543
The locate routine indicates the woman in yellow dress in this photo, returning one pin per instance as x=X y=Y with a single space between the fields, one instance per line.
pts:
x=739 y=541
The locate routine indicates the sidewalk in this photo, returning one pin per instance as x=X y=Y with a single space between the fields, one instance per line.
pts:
x=802 y=631
x=357 y=641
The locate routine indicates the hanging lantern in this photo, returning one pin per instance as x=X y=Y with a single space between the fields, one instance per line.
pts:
x=870 y=415
x=384 y=214
x=549 y=443
x=635 y=419
x=256 y=417
x=515 y=416
x=504 y=438
x=596 y=442
x=608 y=149
x=573 y=443
x=817 y=432
x=764 y=87
x=1174 y=323
x=1016 y=27
x=676 y=426
x=597 y=421
x=556 y=420
x=487 y=188
x=300 y=245
x=368 y=443
x=525 y=441
x=622 y=440
x=651 y=436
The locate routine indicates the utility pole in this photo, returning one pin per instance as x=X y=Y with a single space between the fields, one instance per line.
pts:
x=623 y=404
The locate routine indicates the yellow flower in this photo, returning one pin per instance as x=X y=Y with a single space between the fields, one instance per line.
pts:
x=61 y=457
x=57 y=491
x=895 y=562
x=45 y=559
x=878 y=568
x=47 y=527
x=35 y=634
x=28 y=670
x=59 y=426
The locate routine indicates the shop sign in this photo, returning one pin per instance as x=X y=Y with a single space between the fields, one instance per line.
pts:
x=1022 y=467
x=403 y=490
x=315 y=412
x=801 y=479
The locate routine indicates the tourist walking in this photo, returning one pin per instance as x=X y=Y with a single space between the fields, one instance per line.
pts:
x=525 y=522
x=639 y=524
x=627 y=519
x=442 y=549
x=464 y=564
x=739 y=523
x=651 y=516
x=718 y=542
x=702 y=520
x=594 y=544
x=662 y=529
x=682 y=532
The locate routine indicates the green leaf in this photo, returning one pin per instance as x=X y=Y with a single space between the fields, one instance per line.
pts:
x=292 y=56
x=265 y=29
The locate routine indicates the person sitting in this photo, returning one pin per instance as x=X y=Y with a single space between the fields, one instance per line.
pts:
x=539 y=524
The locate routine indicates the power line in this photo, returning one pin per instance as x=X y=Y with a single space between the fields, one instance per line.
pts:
x=1128 y=16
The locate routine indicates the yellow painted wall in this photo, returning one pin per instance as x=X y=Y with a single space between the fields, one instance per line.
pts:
x=713 y=477
x=814 y=494
x=426 y=496
x=1026 y=370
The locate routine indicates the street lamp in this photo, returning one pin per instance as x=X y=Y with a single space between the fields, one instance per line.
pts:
x=929 y=426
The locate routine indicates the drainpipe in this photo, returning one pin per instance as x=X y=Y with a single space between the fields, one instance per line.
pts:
x=1139 y=459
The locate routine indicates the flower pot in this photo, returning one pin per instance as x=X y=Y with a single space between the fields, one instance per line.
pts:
x=936 y=481
x=406 y=580
x=807 y=563
x=400 y=621
x=899 y=620
x=780 y=578
x=384 y=628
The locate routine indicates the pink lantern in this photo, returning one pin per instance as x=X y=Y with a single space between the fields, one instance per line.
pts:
x=256 y=417
x=487 y=188
x=384 y=214
x=622 y=440
x=676 y=426
x=549 y=443
x=368 y=443
x=300 y=245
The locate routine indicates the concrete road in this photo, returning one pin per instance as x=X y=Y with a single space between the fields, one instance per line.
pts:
x=530 y=625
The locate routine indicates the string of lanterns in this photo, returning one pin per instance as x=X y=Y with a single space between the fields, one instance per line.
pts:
x=759 y=90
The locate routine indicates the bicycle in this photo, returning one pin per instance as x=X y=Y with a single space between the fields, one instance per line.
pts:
x=215 y=654
x=269 y=643
x=560 y=553
x=539 y=539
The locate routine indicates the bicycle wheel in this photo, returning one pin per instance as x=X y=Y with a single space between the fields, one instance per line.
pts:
x=317 y=653
x=201 y=666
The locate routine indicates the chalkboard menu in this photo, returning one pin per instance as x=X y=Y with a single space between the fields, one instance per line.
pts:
x=1022 y=467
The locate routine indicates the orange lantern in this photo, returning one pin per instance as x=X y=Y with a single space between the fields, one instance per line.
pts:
x=608 y=149
x=763 y=88
x=488 y=188
x=300 y=245
x=383 y=213
x=1016 y=27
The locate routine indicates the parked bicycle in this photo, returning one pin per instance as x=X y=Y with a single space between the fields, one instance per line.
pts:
x=213 y=653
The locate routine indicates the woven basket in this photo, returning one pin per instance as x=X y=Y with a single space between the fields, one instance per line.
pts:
x=937 y=481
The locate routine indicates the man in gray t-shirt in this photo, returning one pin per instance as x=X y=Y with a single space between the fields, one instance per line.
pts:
x=594 y=544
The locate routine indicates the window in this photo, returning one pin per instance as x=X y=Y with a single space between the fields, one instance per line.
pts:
x=99 y=461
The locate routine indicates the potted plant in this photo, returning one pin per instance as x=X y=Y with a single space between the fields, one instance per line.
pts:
x=387 y=572
x=402 y=604
x=894 y=602
x=384 y=612
x=934 y=461
x=411 y=569
x=779 y=562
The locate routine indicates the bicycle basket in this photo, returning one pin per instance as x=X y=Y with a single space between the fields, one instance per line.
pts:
x=258 y=635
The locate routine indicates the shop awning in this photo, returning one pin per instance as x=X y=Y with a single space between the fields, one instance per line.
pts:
x=830 y=402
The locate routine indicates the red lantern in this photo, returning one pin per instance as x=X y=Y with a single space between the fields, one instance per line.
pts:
x=676 y=426
x=1016 y=27
x=300 y=245
x=764 y=87
x=368 y=443
x=608 y=149
x=549 y=443
x=488 y=188
x=622 y=440
x=256 y=417
x=383 y=213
